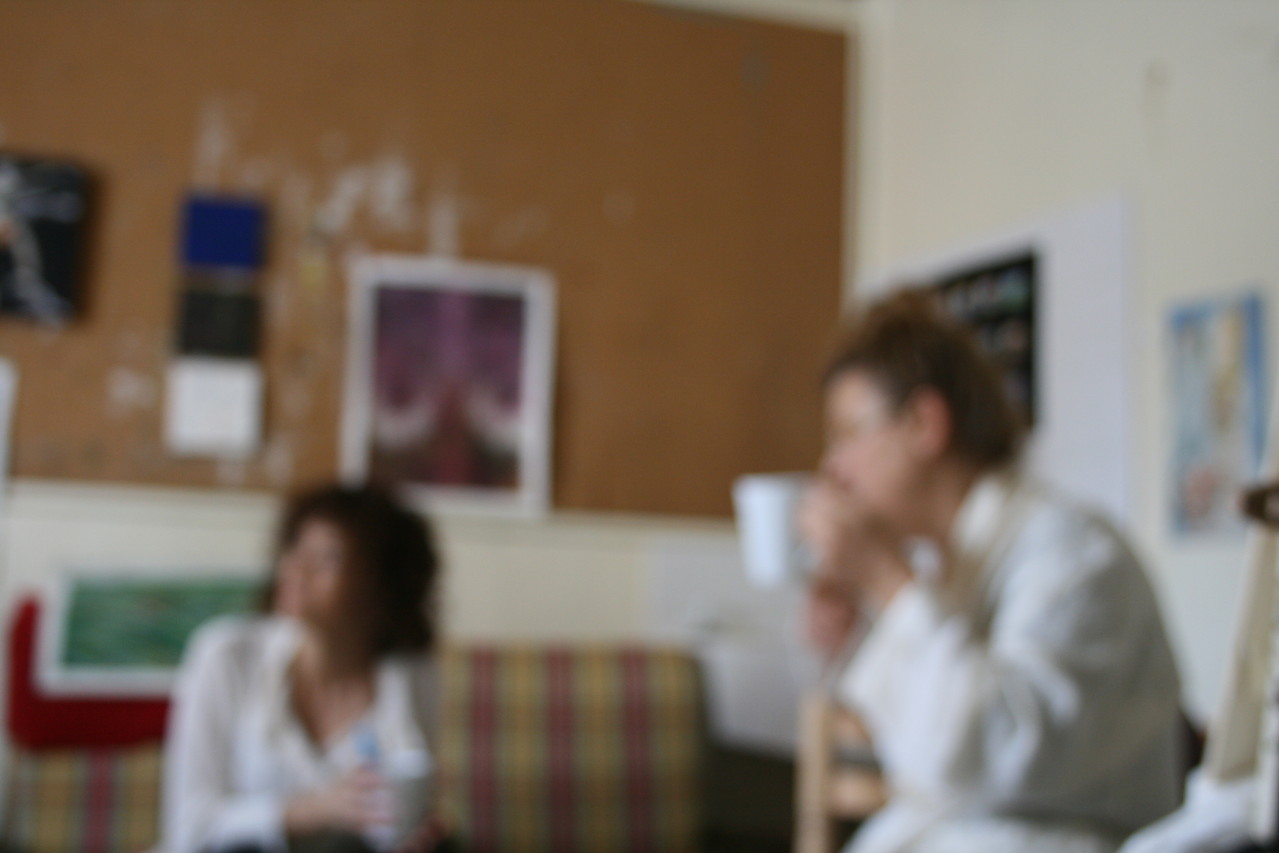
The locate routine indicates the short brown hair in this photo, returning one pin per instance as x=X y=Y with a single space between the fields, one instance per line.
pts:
x=390 y=545
x=906 y=342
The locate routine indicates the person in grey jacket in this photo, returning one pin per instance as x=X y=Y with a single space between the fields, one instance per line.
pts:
x=1013 y=669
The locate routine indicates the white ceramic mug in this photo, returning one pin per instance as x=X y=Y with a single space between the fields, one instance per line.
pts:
x=766 y=505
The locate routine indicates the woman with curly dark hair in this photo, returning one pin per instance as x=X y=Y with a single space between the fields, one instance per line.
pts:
x=314 y=719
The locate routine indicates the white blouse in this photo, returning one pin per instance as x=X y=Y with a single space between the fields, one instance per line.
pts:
x=236 y=750
x=1028 y=702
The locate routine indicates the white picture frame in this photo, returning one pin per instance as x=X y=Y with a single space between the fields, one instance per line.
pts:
x=449 y=377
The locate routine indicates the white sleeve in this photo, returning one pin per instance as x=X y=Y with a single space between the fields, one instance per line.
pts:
x=1073 y=681
x=201 y=808
x=1215 y=818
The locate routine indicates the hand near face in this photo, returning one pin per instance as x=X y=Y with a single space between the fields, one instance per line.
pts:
x=841 y=533
x=854 y=552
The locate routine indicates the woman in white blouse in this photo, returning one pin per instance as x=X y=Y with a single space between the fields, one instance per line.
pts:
x=1013 y=669
x=312 y=719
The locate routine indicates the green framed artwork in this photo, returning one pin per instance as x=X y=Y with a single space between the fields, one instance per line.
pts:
x=123 y=633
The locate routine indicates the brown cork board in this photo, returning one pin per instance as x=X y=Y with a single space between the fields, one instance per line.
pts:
x=680 y=174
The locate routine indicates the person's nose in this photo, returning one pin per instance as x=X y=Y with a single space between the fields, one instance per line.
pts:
x=293 y=567
x=830 y=465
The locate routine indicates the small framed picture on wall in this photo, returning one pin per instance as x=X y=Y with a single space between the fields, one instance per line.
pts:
x=449 y=382
x=997 y=299
x=44 y=218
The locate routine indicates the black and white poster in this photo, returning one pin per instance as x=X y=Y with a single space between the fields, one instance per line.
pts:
x=44 y=207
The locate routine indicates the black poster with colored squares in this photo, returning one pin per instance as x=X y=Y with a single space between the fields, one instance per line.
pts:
x=219 y=308
x=44 y=211
x=998 y=301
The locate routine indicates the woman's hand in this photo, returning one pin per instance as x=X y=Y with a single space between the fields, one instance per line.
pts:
x=844 y=537
x=830 y=615
x=354 y=802
x=853 y=550
x=425 y=838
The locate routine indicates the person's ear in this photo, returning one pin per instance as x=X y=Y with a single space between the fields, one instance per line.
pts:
x=931 y=423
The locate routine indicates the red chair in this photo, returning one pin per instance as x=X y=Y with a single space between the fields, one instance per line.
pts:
x=83 y=771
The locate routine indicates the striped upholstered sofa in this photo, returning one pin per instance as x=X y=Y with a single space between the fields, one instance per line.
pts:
x=592 y=749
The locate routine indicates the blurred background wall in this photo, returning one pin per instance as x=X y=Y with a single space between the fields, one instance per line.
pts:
x=963 y=120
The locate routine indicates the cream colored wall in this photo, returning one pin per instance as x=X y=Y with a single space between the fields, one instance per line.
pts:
x=573 y=577
x=980 y=115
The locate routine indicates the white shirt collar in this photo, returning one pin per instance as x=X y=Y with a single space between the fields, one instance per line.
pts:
x=979 y=515
x=978 y=531
x=390 y=713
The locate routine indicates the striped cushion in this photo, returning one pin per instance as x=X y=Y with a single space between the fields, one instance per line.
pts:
x=572 y=749
x=83 y=800
x=541 y=749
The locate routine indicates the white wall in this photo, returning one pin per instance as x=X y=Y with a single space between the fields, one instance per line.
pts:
x=981 y=115
x=573 y=577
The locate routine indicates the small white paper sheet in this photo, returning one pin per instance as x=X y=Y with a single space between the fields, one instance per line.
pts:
x=213 y=407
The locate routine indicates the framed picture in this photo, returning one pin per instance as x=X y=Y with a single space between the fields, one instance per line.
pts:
x=1217 y=371
x=449 y=373
x=997 y=300
x=44 y=210
x=123 y=633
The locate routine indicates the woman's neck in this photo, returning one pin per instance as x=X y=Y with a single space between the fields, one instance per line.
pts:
x=942 y=497
x=332 y=685
x=334 y=658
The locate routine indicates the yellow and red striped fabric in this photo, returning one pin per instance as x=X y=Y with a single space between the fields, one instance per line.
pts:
x=571 y=749
x=83 y=800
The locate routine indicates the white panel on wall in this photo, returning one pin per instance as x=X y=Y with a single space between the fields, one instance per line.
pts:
x=1082 y=442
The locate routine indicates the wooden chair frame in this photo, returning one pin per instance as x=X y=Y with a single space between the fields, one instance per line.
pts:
x=837 y=778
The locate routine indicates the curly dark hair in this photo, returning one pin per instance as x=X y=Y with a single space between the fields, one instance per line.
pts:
x=389 y=544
